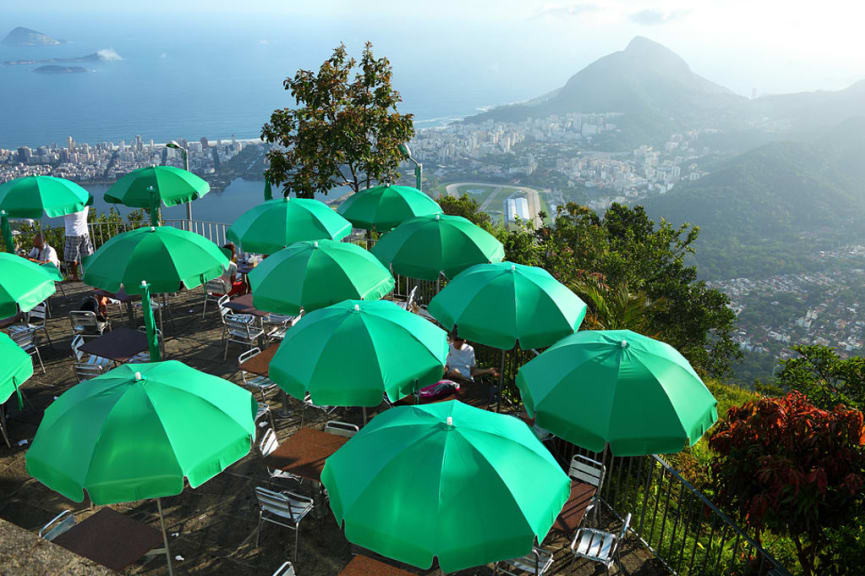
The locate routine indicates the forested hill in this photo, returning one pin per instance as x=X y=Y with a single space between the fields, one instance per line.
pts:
x=771 y=209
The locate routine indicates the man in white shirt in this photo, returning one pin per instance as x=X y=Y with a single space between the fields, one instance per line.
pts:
x=461 y=363
x=77 y=240
x=43 y=252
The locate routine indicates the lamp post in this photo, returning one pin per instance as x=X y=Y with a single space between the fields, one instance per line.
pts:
x=418 y=167
x=173 y=144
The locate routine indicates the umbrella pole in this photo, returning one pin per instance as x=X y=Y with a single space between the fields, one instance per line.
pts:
x=364 y=415
x=164 y=536
x=7 y=232
x=501 y=384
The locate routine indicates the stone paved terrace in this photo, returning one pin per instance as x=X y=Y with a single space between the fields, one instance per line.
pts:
x=213 y=528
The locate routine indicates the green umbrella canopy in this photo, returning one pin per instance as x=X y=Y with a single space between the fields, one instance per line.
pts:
x=124 y=439
x=350 y=353
x=275 y=224
x=146 y=187
x=163 y=256
x=427 y=246
x=35 y=196
x=387 y=206
x=16 y=367
x=445 y=480
x=23 y=284
x=502 y=304
x=617 y=387
x=317 y=273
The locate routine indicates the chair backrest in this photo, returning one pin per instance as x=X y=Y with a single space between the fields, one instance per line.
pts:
x=38 y=312
x=248 y=354
x=411 y=296
x=587 y=470
x=215 y=286
x=268 y=443
x=86 y=371
x=26 y=339
x=341 y=428
x=285 y=570
x=239 y=326
x=77 y=343
x=83 y=321
x=285 y=504
x=58 y=525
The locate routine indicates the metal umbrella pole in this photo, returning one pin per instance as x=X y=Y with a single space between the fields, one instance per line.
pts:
x=164 y=536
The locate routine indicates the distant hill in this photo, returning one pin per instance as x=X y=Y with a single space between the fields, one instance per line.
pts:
x=25 y=37
x=808 y=110
x=646 y=81
x=771 y=209
x=57 y=69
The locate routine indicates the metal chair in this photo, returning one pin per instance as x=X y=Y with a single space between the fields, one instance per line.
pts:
x=86 y=371
x=308 y=403
x=214 y=290
x=285 y=570
x=143 y=357
x=37 y=319
x=338 y=428
x=80 y=356
x=25 y=337
x=58 y=525
x=261 y=384
x=266 y=447
x=599 y=546
x=584 y=469
x=84 y=322
x=240 y=328
x=285 y=509
x=276 y=325
x=409 y=302
x=537 y=562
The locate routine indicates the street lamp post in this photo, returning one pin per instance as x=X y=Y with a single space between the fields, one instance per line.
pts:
x=173 y=144
x=418 y=166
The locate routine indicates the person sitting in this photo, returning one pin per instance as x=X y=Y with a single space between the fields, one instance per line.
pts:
x=99 y=306
x=43 y=252
x=233 y=286
x=461 y=363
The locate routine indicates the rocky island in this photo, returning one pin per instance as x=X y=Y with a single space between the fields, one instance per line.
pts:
x=55 y=69
x=25 y=37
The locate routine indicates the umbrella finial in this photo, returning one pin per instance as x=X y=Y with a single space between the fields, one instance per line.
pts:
x=357 y=307
x=513 y=267
x=623 y=344
x=438 y=216
x=138 y=376
x=144 y=283
x=450 y=421
x=315 y=244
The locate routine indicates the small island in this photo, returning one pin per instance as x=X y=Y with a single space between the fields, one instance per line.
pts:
x=26 y=37
x=55 y=69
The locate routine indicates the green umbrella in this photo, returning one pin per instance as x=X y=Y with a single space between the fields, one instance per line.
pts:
x=149 y=323
x=445 y=480
x=16 y=367
x=617 y=388
x=275 y=224
x=147 y=187
x=23 y=284
x=33 y=196
x=387 y=206
x=163 y=256
x=137 y=431
x=428 y=246
x=317 y=273
x=350 y=353
x=505 y=304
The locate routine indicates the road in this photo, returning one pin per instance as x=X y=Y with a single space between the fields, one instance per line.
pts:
x=532 y=196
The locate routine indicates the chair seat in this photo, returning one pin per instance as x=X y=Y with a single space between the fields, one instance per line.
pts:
x=243 y=334
x=299 y=510
x=594 y=544
x=263 y=383
x=529 y=563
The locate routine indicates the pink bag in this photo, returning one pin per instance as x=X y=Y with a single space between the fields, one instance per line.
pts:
x=439 y=389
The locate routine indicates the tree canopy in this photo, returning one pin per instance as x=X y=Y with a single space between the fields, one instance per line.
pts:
x=344 y=131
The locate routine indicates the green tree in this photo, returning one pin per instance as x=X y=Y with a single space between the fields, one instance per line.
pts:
x=344 y=131
x=823 y=376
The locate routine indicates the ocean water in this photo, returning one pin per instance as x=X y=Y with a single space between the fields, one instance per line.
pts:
x=187 y=76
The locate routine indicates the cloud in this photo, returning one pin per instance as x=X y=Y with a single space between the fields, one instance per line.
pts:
x=564 y=10
x=656 y=17
x=109 y=55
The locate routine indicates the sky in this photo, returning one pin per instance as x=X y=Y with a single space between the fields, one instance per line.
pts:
x=771 y=46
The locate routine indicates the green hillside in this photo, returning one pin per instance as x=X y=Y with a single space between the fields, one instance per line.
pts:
x=771 y=209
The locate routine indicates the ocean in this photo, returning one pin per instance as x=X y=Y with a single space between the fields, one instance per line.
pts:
x=182 y=76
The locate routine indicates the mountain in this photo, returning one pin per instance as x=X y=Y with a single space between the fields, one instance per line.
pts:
x=25 y=37
x=808 y=110
x=647 y=82
x=771 y=209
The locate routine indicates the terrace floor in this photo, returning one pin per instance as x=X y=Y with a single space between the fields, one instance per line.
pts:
x=213 y=528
